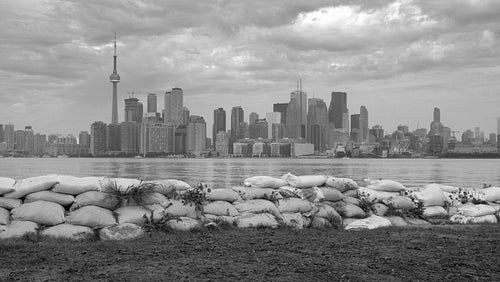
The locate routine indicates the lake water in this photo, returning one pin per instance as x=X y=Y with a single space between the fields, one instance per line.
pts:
x=220 y=173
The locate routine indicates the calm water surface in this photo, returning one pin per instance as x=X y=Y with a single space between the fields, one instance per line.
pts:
x=220 y=173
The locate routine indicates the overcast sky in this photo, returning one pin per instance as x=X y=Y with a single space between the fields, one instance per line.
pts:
x=398 y=58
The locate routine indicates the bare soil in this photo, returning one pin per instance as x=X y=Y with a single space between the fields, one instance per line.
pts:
x=459 y=253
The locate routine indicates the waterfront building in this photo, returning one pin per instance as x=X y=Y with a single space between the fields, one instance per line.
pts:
x=467 y=136
x=258 y=129
x=152 y=103
x=68 y=139
x=222 y=143
x=261 y=149
x=186 y=114
x=196 y=135
x=278 y=131
x=40 y=144
x=272 y=118
x=242 y=149
x=436 y=144
x=363 y=125
x=317 y=124
x=9 y=136
x=302 y=149
x=113 y=138
x=403 y=128
x=378 y=132
x=356 y=135
x=421 y=133
x=338 y=114
x=281 y=108
x=293 y=126
x=84 y=138
x=129 y=137
x=67 y=150
x=133 y=110
x=219 y=124
x=98 y=136
x=299 y=122
x=29 y=139
x=492 y=139
x=437 y=115
x=114 y=78
x=155 y=138
x=237 y=118
x=20 y=141
x=180 y=139
x=1 y=134
x=52 y=138
x=174 y=106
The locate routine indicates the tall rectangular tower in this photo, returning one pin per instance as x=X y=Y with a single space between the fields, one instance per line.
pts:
x=237 y=117
x=219 y=124
x=133 y=110
x=152 y=103
x=338 y=112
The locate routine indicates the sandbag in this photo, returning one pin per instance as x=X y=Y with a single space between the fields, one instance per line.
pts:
x=26 y=186
x=184 y=224
x=250 y=193
x=6 y=185
x=168 y=186
x=220 y=219
x=352 y=200
x=379 y=209
x=176 y=208
x=331 y=194
x=293 y=205
x=95 y=198
x=396 y=221
x=295 y=220
x=119 y=184
x=399 y=202
x=341 y=184
x=72 y=185
x=313 y=194
x=318 y=222
x=220 y=208
x=264 y=182
x=256 y=220
x=347 y=209
x=374 y=196
x=124 y=231
x=132 y=214
x=153 y=198
x=291 y=192
x=435 y=212
x=416 y=221
x=346 y=221
x=304 y=181
x=91 y=216
x=64 y=200
x=69 y=231
x=328 y=212
x=444 y=188
x=9 y=204
x=431 y=196
x=351 y=193
x=385 y=185
x=257 y=206
x=41 y=212
x=476 y=210
x=4 y=216
x=227 y=195
x=371 y=222
x=18 y=229
x=462 y=219
x=490 y=194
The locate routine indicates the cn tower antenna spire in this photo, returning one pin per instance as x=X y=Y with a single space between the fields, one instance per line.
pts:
x=114 y=78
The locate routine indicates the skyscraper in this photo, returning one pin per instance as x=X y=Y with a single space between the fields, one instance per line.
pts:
x=84 y=138
x=196 y=135
x=259 y=129
x=252 y=117
x=317 y=124
x=113 y=138
x=9 y=136
x=338 y=112
x=152 y=103
x=157 y=138
x=219 y=124
x=1 y=133
x=133 y=110
x=281 y=108
x=98 y=135
x=114 y=78
x=293 y=119
x=356 y=134
x=130 y=138
x=437 y=115
x=29 y=141
x=237 y=117
x=300 y=98
x=363 y=125
x=174 y=106
x=272 y=118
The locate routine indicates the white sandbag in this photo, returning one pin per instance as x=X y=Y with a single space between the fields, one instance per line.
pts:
x=396 y=221
x=41 y=212
x=220 y=208
x=385 y=185
x=6 y=185
x=18 y=229
x=4 y=216
x=374 y=196
x=347 y=209
x=435 y=212
x=462 y=219
x=476 y=210
x=291 y=192
x=257 y=206
x=95 y=198
x=351 y=193
x=9 y=204
x=26 y=186
x=431 y=196
x=331 y=194
x=400 y=202
x=328 y=212
x=153 y=198
x=64 y=200
x=352 y=200
x=91 y=216
x=184 y=224
x=124 y=231
x=304 y=181
x=72 y=185
x=256 y=220
x=293 y=205
x=167 y=186
x=69 y=231
x=220 y=219
x=177 y=208
x=371 y=222
x=444 y=188
x=295 y=220
x=379 y=209
x=132 y=214
x=341 y=184
x=227 y=195
x=264 y=182
x=320 y=223
x=490 y=194
x=250 y=193
x=346 y=221
x=119 y=184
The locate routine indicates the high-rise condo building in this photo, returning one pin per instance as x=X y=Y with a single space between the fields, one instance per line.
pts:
x=237 y=117
x=252 y=117
x=185 y=115
x=296 y=114
x=363 y=125
x=338 y=114
x=98 y=135
x=317 y=124
x=281 y=108
x=1 y=133
x=355 y=128
x=196 y=135
x=219 y=124
x=84 y=138
x=133 y=110
x=272 y=118
x=29 y=139
x=174 y=106
x=113 y=138
x=9 y=136
x=114 y=78
x=259 y=129
x=155 y=138
x=40 y=143
x=437 y=115
x=152 y=103
x=130 y=137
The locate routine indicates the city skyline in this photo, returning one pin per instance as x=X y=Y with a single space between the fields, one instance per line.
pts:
x=420 y=56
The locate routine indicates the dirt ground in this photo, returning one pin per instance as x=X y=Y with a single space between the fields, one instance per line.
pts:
x=460 y=253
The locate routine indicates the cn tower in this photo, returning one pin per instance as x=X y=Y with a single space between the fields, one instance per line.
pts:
x=114 y=78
